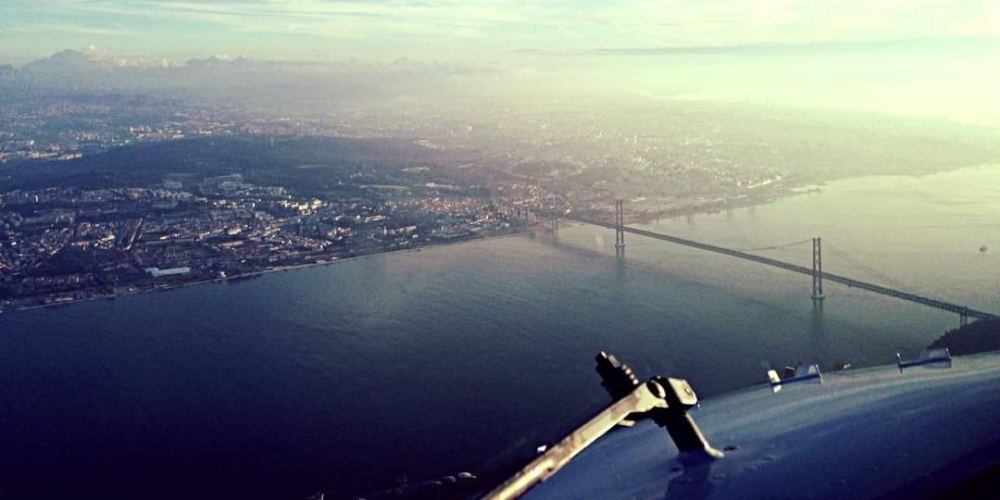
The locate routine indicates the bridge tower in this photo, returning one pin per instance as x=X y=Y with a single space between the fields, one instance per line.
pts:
x=619 y=224
x=817 y=272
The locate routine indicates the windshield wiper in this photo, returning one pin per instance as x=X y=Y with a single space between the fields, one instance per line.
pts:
x=664 y=400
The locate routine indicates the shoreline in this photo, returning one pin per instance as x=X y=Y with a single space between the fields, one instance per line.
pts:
x=541 y=225
x=530 y=228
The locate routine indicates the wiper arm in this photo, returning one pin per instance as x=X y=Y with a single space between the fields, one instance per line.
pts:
x=642 y=399
x=664 y=400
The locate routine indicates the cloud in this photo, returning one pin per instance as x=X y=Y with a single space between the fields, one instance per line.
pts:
x=928 y=45
x=101 y=31
x=389 y=28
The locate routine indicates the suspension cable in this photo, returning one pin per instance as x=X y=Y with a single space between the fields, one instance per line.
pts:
x=868 y=269
x=775 y=247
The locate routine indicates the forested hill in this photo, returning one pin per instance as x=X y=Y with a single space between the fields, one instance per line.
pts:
x=980 y=336
x=305 y=164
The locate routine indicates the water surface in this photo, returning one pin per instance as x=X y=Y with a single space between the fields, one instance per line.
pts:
x=453 y=358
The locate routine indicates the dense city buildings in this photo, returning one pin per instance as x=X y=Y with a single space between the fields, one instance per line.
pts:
x=64 y=244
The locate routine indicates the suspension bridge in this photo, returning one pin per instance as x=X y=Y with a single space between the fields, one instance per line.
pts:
x=816 y=271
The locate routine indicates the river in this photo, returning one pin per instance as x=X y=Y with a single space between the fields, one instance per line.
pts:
x=459 y=357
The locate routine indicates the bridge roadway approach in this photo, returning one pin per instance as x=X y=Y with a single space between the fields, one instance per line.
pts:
x=963 y=311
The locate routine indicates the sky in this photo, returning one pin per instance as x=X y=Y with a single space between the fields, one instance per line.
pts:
x=938 y=58
x=466 y=29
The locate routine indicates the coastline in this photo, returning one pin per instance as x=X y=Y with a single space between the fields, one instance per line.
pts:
x=541 y=225
x=527 y=229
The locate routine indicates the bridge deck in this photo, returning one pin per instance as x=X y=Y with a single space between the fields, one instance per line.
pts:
x=899 y=294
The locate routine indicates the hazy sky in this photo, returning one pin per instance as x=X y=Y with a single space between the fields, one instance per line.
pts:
x=915 y=57
x=464 y=29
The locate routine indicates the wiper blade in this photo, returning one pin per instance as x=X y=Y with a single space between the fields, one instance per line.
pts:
x=665 y=400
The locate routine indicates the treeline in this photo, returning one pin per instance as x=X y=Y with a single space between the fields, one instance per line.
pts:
x=980 y=336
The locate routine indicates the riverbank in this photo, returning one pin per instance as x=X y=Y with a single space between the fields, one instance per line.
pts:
x=706 y=209
x=530 y=228
x=974 y=338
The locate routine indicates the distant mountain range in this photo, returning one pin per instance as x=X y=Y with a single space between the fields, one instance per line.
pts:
x=93 y=70
x=82 y=70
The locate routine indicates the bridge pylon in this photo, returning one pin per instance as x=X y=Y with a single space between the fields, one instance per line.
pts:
x=817 y=272
x=619 y=226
